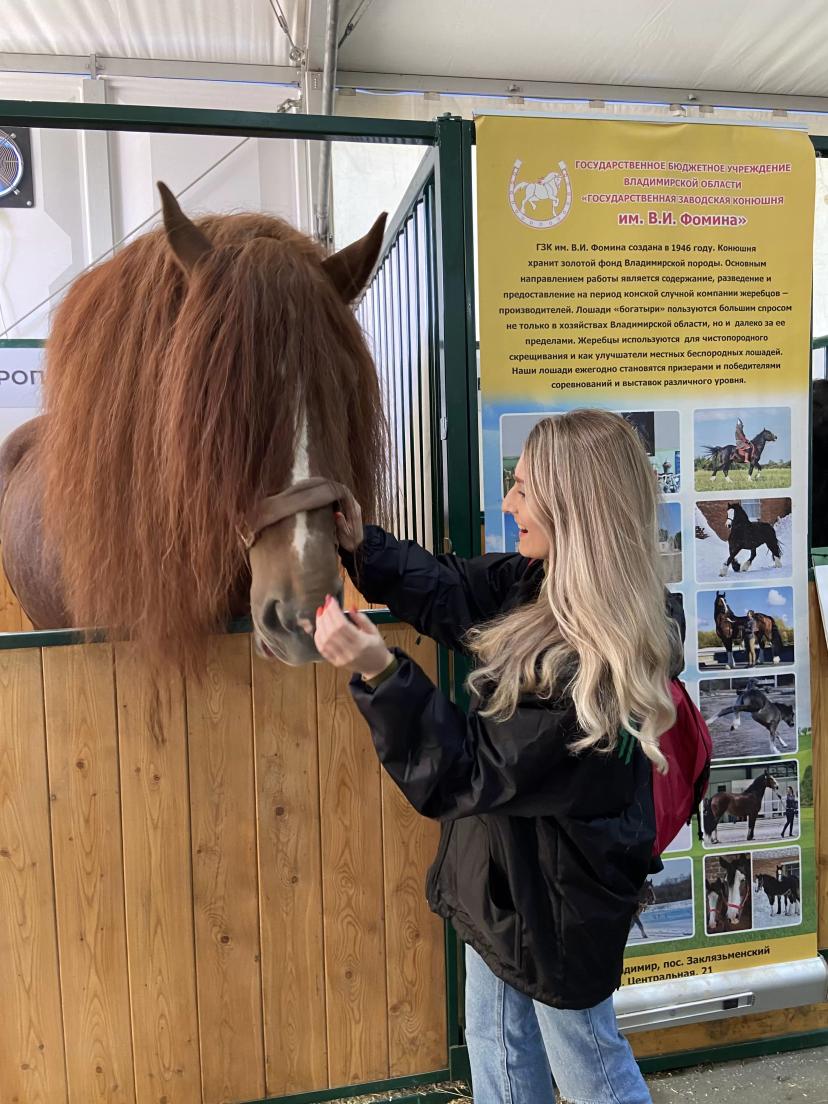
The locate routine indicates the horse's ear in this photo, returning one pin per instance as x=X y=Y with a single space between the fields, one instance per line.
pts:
x=351 y=268
x=186 y=241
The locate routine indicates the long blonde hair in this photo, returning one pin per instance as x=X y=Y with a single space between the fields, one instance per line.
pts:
x=599 y=631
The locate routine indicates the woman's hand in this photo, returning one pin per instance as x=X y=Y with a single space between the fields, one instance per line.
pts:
x=352 y=642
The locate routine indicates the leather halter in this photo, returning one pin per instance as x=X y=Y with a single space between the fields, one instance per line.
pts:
x=308 y=494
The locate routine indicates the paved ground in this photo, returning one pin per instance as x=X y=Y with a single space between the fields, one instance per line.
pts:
x=780 y=1079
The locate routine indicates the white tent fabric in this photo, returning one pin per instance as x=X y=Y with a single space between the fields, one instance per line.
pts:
x=182 y=30
x=759 y=46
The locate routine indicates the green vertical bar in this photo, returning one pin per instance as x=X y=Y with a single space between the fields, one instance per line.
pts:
x=400 y=377
x=419 y=306
x=458 y=377
x=434 y=412
x=458 y=383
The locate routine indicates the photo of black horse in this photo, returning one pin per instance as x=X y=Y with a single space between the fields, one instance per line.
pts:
x=723 y=457
x=743 y=536
x=749 y=536
x=777 y=888
x=750 y=716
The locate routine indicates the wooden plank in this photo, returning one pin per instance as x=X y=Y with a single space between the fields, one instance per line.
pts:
x=741 y=1029
x=157 y=878
x=353 y=888
x=11 y=615
x=415 y=954
x=32 y=1059
x=89 y=888
x=819 y=727
x=225 y=889
x=290 y=877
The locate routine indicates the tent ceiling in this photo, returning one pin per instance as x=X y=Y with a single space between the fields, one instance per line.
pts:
x=754 y=46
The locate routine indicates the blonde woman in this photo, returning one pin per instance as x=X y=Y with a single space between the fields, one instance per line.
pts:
x=544 y=790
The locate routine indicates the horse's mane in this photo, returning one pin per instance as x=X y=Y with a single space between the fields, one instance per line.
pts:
x=173 y=403
x=757 y=785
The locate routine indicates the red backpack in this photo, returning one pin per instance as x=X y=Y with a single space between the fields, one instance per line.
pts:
x=687 y=747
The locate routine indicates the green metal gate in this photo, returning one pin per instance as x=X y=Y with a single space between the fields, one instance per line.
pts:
x=418 y=313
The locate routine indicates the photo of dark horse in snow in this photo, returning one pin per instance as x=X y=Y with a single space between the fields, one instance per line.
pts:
x=746 y=535
x=779 y=890
x=723 y=457
x=770 y=714
x=730 y=629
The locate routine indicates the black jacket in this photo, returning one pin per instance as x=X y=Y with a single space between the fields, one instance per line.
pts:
x=542 y=853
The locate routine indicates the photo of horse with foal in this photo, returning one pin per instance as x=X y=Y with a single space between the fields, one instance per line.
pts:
x=742 y=449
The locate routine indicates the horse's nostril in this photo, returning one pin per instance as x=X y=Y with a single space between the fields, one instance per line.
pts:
x=270 y=617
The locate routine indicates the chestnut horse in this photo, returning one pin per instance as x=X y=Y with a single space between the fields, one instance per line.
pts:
x=206 y=366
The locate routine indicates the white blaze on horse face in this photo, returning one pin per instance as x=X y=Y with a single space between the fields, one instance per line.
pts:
x=735 y=897
x=301 y=470
x=712 y=909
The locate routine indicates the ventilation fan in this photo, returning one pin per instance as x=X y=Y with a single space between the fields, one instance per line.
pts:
x=15 y=168
x=11 y=164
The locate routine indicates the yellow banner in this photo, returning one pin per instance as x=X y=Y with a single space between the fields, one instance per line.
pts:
x=664 y=272
x=659 y=257
x=715 y=960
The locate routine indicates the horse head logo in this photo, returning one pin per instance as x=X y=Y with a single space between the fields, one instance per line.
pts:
x=550 y=196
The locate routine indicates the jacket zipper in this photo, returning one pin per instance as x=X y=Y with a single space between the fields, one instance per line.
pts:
x=439 y=859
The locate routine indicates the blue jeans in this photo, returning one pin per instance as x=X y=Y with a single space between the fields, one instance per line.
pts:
x=521 y=1050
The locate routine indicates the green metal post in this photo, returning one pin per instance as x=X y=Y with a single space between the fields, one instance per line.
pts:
x=459 y=482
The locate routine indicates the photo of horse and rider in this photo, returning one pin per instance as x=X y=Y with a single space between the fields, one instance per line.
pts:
x=751 y=801
x=776 y=888
x=750 y=717
x=737 y=536
x=742 y=449
x=728 y=894
x=665 y=908
x=751 y=628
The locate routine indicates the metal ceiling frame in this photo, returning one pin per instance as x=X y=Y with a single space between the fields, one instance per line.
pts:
x=96 y=65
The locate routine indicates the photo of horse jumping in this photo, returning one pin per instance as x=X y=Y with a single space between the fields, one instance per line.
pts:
x=770 y=714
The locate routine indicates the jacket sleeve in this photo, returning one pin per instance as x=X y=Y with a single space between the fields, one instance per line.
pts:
x=441 y=596
x=451 y=765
